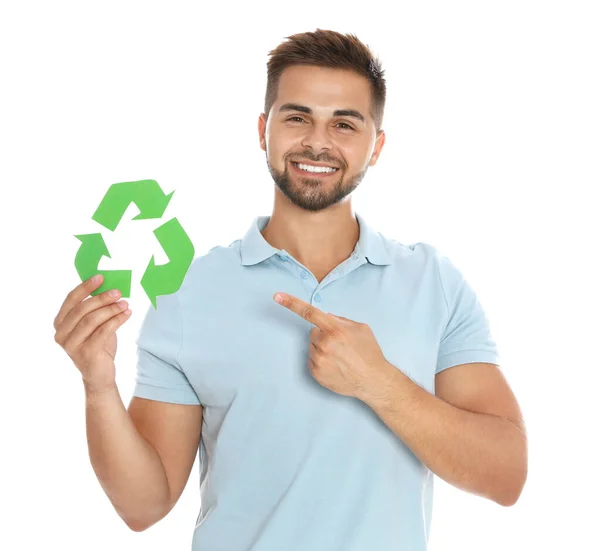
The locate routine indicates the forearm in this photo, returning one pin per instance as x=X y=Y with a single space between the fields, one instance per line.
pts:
x=479 y=453
x=127 y=466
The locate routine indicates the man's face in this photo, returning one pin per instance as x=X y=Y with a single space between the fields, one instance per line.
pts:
x=319 y=137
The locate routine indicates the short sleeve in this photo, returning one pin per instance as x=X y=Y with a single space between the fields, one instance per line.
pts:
x=467 y=337
x=159 y=375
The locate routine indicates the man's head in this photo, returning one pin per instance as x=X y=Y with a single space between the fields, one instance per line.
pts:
x=324 y=105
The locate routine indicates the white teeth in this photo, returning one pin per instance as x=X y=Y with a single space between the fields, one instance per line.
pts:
x=311 y=168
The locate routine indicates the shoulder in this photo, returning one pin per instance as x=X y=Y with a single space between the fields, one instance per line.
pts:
x=420 y=255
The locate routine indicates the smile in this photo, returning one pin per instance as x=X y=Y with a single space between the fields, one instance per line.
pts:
x=310 y=169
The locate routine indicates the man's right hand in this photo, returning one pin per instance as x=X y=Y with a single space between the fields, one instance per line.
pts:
x=86 y=329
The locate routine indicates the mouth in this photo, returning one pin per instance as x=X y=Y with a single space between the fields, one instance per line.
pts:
x=313 y=171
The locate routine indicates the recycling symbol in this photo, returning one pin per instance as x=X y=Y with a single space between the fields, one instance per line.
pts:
x=152 y=203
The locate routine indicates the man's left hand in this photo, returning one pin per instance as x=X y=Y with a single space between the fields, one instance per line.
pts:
x=344 y=355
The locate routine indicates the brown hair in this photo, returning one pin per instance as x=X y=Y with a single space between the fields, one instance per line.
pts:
x=324 y=48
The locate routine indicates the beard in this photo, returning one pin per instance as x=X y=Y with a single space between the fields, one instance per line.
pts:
x=314 y=194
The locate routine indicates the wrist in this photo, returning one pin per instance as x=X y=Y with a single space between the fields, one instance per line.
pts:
x=378 y=385
x=94 y=391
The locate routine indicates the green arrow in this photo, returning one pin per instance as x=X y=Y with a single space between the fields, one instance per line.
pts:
x=87 y=259
x=146 y=194
x=167 y=278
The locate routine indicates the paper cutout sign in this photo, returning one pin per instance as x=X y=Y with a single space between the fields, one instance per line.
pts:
x=163 y=279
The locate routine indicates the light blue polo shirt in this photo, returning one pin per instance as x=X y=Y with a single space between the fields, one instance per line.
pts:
x=286 y=464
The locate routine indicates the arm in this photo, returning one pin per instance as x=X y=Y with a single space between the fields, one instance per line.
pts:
x=482 y=453
x=124 y=451
x=127 y=466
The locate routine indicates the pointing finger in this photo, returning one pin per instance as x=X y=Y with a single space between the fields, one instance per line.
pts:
x=307 y=311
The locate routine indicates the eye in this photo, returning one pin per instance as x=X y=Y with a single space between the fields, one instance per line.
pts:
x=346 y=125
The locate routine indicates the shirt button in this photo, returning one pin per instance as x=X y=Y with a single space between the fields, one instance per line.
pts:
x=304 y=274
x=317 y=297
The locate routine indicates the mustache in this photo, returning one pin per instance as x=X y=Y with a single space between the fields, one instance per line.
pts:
x=317 y=160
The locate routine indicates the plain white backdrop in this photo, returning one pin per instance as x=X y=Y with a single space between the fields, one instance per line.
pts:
x=492 y=155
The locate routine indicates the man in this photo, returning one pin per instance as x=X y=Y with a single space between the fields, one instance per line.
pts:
x=320 y=420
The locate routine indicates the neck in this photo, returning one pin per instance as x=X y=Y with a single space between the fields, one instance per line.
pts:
x=318 y=240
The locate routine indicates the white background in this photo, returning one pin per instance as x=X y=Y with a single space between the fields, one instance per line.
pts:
x=492 y=156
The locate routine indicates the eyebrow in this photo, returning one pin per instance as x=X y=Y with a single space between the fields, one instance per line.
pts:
x=337 y=113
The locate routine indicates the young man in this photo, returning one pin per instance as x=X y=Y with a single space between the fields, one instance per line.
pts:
x=320 y=420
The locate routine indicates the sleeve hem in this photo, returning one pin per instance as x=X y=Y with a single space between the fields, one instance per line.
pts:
x=164 y=394
x=459 y=357
x=437 y=264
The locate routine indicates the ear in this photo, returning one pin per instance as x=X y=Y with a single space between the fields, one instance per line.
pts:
x=379 y=141
x=262 y=125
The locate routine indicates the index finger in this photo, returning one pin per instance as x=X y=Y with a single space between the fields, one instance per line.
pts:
x=307 y=311
x=76 y=295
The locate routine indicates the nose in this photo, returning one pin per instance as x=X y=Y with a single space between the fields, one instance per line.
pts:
x=316 y=138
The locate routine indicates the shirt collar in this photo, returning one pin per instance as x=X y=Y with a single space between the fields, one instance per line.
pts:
x=255 y=248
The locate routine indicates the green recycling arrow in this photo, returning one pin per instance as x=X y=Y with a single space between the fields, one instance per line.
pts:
x=146 y=194
x=87 y=259
x=163 y=279
x=167 y=278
